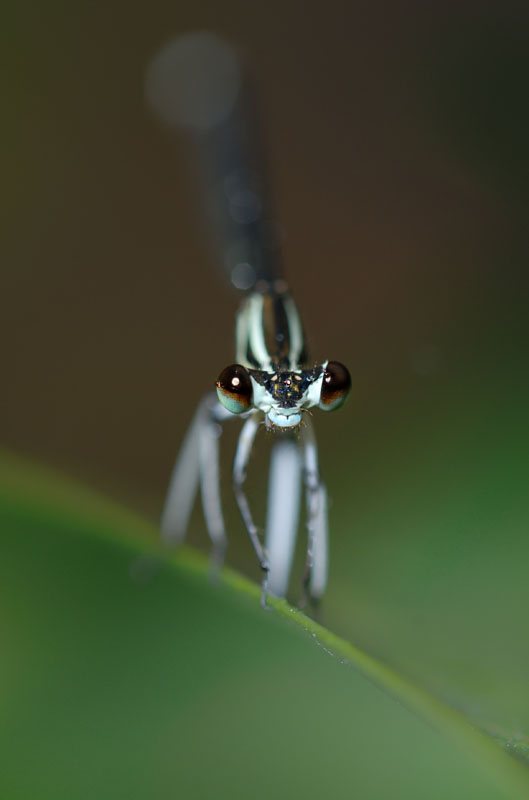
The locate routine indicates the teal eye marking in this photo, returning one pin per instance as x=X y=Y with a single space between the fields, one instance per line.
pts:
x=234 y=389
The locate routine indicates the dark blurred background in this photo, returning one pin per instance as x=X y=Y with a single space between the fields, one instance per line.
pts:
x=398 y=139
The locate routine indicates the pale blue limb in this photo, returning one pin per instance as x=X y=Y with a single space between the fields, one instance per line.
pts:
x=196 y=463
x=315 y=575
x=284 y=490
x=242 y=455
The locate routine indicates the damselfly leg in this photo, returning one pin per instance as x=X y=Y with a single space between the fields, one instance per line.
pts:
x=282 y=516
x=198 y=465
x=315 y=574
x=244 y=448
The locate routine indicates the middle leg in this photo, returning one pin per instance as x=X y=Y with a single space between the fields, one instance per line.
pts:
x=315 y=574
x=242 y=455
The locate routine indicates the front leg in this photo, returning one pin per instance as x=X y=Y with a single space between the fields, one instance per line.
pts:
x=242 y=455
x=315 y=575
x=282 y=513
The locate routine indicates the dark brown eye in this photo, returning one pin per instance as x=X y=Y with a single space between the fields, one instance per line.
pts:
x=335 y=386
x=234 y=389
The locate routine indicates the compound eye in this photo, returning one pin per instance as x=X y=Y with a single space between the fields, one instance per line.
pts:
x=234 y=389
x=335 y=386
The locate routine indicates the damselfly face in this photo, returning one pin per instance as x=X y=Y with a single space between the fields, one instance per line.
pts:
x=284 y=394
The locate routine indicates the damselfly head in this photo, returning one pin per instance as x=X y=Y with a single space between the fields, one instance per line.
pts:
x=284 y=394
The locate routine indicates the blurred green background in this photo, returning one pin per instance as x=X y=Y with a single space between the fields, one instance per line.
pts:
x=398 y=140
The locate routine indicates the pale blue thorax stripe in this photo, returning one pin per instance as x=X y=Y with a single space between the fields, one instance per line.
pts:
x=295 y=331
x=256 y=333
x=241 y=336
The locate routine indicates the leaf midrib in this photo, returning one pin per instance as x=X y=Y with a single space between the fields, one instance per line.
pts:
x=29 y=489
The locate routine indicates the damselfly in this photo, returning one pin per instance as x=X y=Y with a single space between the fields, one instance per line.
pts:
x=196 y=82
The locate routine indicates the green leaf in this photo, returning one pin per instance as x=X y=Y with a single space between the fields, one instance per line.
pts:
x=173 y=687
x=433 y=574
